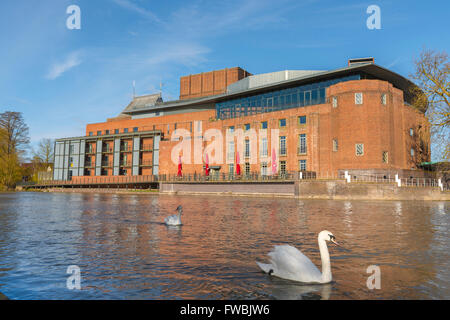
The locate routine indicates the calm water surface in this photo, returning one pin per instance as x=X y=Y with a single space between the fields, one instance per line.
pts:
x=125 y=252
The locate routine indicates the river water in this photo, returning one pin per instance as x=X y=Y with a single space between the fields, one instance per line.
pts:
x=123 y=250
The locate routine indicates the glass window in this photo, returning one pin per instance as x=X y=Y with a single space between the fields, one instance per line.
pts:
x=412 y=152
x=294 y=99
x=263 y=168
x=247 y=126
x=307 y=98
x=282 y=122
x=231 y=129
x=247 y=148
x=358 y=98
x=384 y=99
x=302 y=165
x=264 y=147
x=302 y=143
x=135 y=129
x=282 y=145
x=264 y=125
x=283 y=167
x=116 y=131
x=315 y=96
x=125 y=130
x=230 y=154
x=99 y=133
x=335 y=102
x=411 y=132
x=91 y=133
x=359 y=149
x=385 y=157
x=301 y=99
x=247 y=168
x=335 y=145
x=302 y=120
x=106 y=131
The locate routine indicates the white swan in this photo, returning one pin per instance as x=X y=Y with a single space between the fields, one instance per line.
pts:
x=289 y=263
x=174 y=220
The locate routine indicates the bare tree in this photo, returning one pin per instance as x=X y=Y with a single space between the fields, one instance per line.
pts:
x=44 y=151
x=14 y=133
x=13 y=142
x=432 y=96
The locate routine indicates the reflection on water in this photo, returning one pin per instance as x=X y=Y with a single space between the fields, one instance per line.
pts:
x=124 y=250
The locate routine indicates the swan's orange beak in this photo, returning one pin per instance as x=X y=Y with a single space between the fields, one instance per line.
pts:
x=332 y=240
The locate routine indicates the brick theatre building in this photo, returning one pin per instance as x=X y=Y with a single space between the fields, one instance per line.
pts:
x=354 y=118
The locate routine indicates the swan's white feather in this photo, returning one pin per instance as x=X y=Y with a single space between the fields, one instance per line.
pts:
x=173 y=220
x=289 y=263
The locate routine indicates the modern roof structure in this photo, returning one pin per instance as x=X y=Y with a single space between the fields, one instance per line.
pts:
x=274 y=81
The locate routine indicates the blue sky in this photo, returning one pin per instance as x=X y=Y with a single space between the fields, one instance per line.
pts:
x=62 y=79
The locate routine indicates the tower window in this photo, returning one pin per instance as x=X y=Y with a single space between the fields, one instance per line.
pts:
x=359 y=149
x=358 y=98
x=335 y=102
x=385 y=157
x=384 y=99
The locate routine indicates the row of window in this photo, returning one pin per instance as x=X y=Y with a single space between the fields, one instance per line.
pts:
x=264 y=167
x=299 y=96
x=359 y=99
x=116 y=131
x=301 y=120
x=264 y=152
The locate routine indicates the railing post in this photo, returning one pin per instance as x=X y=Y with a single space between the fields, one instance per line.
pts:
x=440 y=185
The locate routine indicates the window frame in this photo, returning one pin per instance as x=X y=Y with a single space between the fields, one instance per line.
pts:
x=356 y=98
x=356 y=149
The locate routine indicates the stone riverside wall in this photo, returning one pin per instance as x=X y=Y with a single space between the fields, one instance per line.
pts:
x=239 y=188
x=329 y=189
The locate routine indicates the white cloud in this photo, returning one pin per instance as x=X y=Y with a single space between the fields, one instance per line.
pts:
x=70 y=62
x=129 y=5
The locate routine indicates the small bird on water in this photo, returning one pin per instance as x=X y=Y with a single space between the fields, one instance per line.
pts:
x=174 y=220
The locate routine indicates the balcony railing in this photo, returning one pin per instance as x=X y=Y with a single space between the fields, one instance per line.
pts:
x=107 y=149
x=125 y=148
x=146 y=163
x=146 y=147
x=107 y=163
x=125 y=163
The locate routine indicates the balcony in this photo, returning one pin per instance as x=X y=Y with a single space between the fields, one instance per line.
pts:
x=106 y=163
x=107 y=149
x=125 y=148
x=147 y=147
x=125 y=163
x=146 y=163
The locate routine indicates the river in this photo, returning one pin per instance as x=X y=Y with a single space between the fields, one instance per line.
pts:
x=124 y=251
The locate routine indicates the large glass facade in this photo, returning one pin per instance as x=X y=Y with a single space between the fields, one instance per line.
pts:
x=300 y=96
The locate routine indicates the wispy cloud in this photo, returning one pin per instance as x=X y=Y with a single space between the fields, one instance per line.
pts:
x=393 y=63
x=129 y=5
x=57 y=69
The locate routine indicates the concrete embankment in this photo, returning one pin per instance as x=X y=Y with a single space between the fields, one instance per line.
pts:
x=316 y=189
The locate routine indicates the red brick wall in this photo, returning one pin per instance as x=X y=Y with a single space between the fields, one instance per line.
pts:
x=209 y=83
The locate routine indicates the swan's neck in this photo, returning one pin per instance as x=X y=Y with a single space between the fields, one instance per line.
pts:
x=326 y=266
